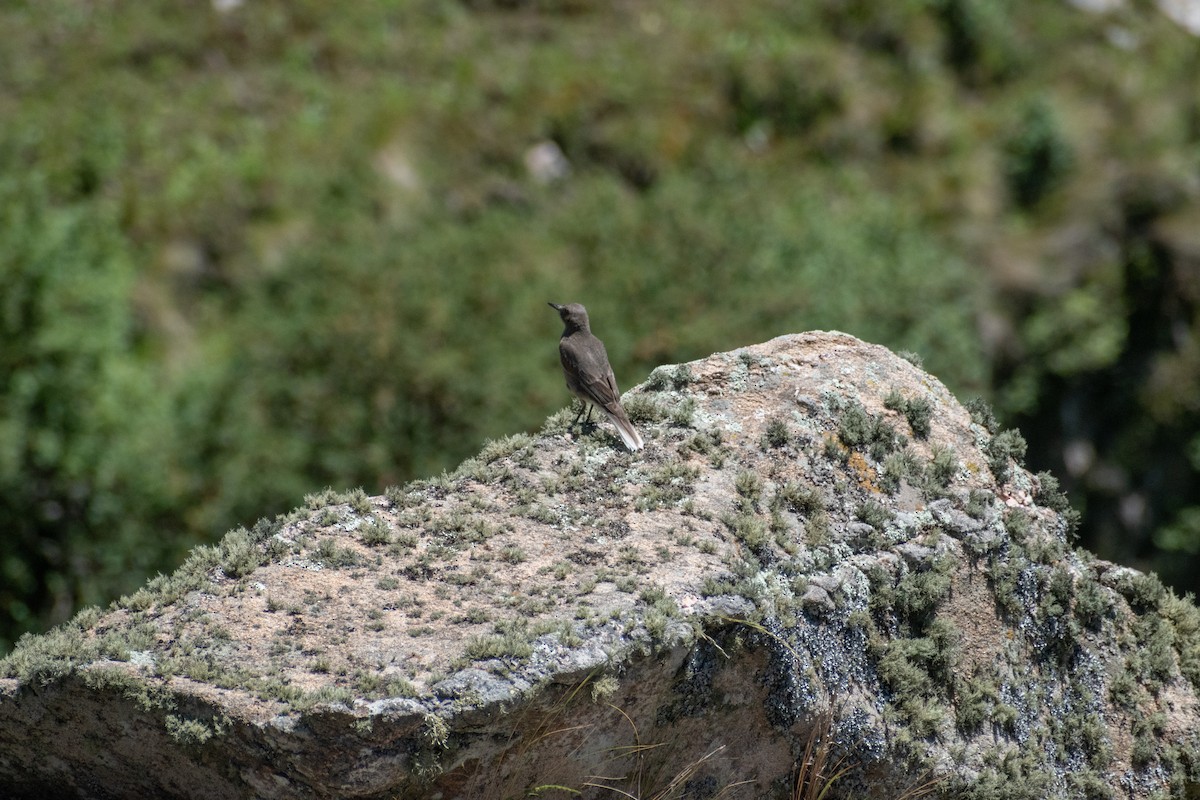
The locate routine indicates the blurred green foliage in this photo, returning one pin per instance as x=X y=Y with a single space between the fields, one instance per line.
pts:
x=82 y=490
x=251 y=252
x=1037 y=155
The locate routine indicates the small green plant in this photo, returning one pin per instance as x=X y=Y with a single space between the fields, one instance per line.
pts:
x=1144 y=591
x=874 y=514
x=681 y=377
x=684 y=414
x=1009 y=446
x=643 y=408
x=858 y=429
x=187 y=731
x=359 y=501
x=375 y=533
x=749 y=487
x=854 y=425
x=982 y=414
x=435 y=732
x=667 y=485
x=917 y=410
x=750 y=531
x=512 y=640
x=797 y=499
x=334 y=555
x=239 y=555
x=1091 y=603
x=943 y=466
x=920 y=592
x=512 y=555
x=1048 y=495
x=900 y=466
x=816 y=529
x=777 y=434
x=919 y=413
x=978 y=502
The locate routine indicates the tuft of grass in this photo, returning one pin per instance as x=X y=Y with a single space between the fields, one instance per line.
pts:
x=943 y=466
x=777 y=434
x=919 y=593
x=982 y=414
x=375 y=533
x=798 y=499
x=322 y=499
x=1048 y=495
x=512 y=640
x=604 y=688
x=899 y=466
x=495 y=449
x=359 y=500
x=187 y=731
x=854 y=425
x=238 y=554
x=643 y=408
x=667 y=485
x=917 y=410
x=684 y=414
x=1091 y=603
x=874 y=514
x=512 y=555
x=819 y=767
x=749 y=487
x=859 y=430
x=1006 y=447
x=1144 y=591
x=335 y=556
x=978 y=502
x=750 y=531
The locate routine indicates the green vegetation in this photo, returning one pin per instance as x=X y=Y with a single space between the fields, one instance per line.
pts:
x=917 y=410
x=667 y=485
x=777 y=434
x=247 y=254
x=1004 y=448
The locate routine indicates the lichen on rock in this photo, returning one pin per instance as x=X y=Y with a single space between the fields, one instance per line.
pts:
x=822 y=569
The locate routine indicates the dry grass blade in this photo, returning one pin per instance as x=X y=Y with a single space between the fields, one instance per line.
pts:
x=921 y=789
x=667 y=791
x=817 y=769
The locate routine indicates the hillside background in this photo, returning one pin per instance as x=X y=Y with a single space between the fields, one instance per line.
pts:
x=252 y=249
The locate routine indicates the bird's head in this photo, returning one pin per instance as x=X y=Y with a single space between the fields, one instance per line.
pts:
x=574 y=316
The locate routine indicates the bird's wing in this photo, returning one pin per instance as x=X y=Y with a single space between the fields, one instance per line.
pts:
x=589 y=363
x=590 y=377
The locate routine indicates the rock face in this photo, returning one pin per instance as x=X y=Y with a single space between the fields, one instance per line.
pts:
x=821 y=571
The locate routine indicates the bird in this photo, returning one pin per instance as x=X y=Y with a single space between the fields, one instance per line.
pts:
x=588 y=373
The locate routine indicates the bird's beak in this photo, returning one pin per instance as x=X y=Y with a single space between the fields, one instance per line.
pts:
x=555 y=306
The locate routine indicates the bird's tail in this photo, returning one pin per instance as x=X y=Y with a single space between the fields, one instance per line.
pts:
x=629 y=434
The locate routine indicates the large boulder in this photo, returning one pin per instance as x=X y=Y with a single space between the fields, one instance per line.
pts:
x=821 y=572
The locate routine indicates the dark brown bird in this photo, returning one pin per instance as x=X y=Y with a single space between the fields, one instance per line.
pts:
x=588 y=373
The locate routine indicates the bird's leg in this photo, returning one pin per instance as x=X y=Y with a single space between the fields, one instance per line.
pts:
x=582 y=406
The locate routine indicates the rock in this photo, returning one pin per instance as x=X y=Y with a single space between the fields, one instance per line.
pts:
x=816 y=599
x=686 y=621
